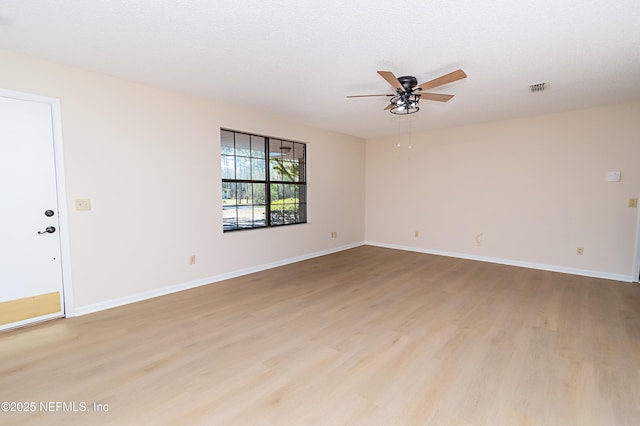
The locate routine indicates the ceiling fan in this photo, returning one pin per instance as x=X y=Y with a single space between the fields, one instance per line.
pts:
x=408 y=92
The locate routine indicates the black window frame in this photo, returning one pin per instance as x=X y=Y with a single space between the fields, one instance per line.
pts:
x=285 y=173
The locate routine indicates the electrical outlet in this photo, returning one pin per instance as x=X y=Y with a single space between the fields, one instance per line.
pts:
x=334 y=234
x=83 y=204
x=192 y=259
x=580 y=251
x=416 y=234
x=633 y=203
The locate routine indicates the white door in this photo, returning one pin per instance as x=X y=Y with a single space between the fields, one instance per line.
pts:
x=30 y=254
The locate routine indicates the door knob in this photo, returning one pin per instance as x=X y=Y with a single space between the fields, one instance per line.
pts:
x=49 y=230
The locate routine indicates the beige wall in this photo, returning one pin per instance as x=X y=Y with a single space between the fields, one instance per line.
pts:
x=149 y=161
x=534 y=187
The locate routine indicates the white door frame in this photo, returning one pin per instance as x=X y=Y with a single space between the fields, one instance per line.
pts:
x=65 y=252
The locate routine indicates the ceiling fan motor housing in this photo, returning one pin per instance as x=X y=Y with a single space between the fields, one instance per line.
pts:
x=408 y=82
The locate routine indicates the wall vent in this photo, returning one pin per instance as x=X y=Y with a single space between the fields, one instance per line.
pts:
x=539 y=87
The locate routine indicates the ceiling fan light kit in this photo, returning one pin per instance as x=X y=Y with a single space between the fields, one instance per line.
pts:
x=408 y=93
x=405 y=104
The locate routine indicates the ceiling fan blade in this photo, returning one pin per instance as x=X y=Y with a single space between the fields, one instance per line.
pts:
x=391 y=79
x=365 y=96
x=445 y=79
x=389 y=107
x=435 y=97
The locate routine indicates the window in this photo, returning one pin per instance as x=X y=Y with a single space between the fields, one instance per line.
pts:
x=263 y=181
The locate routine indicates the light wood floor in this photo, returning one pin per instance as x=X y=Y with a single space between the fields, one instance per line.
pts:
x=368 y=336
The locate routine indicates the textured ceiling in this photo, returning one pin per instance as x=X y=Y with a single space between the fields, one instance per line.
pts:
x=302 y=58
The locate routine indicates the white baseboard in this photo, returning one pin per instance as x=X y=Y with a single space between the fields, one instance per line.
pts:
x=113 y=303
x=543 y=267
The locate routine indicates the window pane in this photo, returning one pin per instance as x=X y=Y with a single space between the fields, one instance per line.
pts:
x=277 y=218
x=228 y=193
x=259 y=216
x=245 y=194
x=302 y=212
x=284 y=170
x=291 y=168
x=243 y=168
x=277 y=192
x=259 y=193
x=299 y=152
x=300 y=159
x=285 y=166
x=290 y=203
x=301 y=172
x=286 y=150
x=299 y=208
x=228 y=167
x=245 y=216
x=291 y=213
x=243 y=144
x=226 y=142
x=302 y=193
x=290 y=192
x=229 y=218
x=277 y=204
x=257 y=169
x=257 y=146
x=275 y=170
x=274 y=148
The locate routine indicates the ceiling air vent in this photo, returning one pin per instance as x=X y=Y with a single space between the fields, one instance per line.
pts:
x=539 y=87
